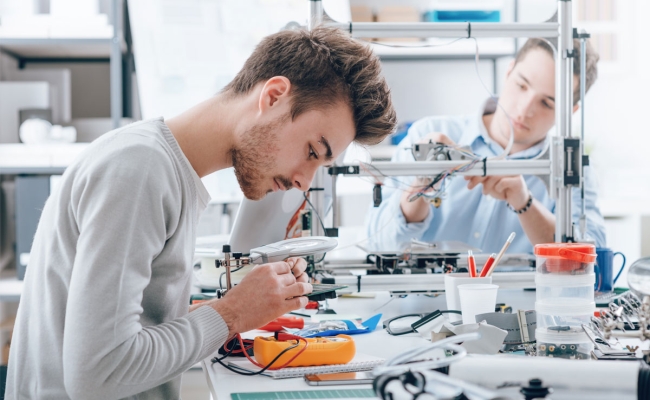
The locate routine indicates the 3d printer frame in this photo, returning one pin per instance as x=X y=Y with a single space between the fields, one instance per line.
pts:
x=565 y=166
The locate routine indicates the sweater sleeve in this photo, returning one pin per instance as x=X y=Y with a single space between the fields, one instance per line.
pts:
x=124 y=208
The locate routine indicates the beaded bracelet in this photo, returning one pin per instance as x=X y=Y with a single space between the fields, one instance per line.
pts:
x=526 y=207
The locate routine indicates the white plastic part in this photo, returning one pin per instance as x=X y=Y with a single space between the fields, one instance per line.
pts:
x=611 y=379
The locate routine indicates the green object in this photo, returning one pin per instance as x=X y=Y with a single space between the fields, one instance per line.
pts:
x=306 y=394
x=323 y=291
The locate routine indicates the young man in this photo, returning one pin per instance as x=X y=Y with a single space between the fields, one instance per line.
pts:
x=104 y=313
x=485 y=218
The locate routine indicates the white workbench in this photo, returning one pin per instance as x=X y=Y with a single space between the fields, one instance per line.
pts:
x=378 y=343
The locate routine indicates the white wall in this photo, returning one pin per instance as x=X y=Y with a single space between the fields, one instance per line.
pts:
x=422 y=88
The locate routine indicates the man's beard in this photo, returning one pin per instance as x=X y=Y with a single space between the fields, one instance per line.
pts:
x=254 y=157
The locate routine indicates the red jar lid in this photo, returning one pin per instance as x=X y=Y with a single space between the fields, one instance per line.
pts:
x=581 y=252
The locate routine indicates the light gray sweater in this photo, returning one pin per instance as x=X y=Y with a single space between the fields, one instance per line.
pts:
x=104 y=312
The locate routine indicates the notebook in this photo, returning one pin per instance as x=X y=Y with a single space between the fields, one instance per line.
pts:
x=360 y=362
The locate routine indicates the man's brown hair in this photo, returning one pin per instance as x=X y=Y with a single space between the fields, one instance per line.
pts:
x=324 y=66
x=591 y=62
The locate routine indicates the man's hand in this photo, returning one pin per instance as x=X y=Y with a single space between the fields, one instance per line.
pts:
x=512 y=189
x=266 y=292
x=417 y=211
x=298 y=266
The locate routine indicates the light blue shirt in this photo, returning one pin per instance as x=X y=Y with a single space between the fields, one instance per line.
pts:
x=467 y=215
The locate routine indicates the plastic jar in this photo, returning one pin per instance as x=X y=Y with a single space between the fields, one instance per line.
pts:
x=565 y=289
x=565 y=258
x=571 y=344
x=556 y=315
x=564 y=282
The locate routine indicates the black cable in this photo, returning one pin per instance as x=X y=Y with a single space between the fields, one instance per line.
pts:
x=229 y=352
x=220 y=361
x=316 y=212
x=319 y=219
x=223 y=273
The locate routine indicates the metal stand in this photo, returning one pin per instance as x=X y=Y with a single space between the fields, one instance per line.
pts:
x=566 y=169
x=237 y=261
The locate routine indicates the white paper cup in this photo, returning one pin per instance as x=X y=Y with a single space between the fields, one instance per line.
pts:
x=476 y=299
x=451 y=291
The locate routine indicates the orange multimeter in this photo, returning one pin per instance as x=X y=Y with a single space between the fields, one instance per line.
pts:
x=320 y=351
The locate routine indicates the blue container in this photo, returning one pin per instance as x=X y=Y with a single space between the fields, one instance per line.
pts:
x=402 y=130
x=462 y=16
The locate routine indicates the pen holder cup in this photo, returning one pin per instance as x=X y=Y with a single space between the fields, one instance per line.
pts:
x=452 y=281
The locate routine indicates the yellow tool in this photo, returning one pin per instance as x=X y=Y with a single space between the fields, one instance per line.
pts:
x=320 y=351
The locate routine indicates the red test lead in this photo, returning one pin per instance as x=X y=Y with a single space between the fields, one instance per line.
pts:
x=471 y=262
x=487 y=268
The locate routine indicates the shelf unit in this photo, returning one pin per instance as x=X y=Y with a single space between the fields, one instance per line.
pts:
x=414 y=53
x=27 y=50
x=115 y=50
x=11 y=289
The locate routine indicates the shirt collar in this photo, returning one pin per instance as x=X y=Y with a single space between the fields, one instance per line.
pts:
x=478 y=131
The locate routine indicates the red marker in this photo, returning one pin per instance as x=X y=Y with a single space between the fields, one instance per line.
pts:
x=487 y=268
x=472 y=264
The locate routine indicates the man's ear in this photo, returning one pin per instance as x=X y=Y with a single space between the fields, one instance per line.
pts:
x=274 y=93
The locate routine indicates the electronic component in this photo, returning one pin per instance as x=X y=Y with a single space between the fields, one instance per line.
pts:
x=376 y=195
x=324 y=291
x=305 y=219
x=434 y=151
x=320 y=351
x=573 y=351
x=502 y=308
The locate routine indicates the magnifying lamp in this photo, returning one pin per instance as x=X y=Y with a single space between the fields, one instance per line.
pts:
x=298 y=247
x=279 y=251
x=638 y=277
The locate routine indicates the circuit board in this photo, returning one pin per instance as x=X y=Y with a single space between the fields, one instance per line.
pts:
x=324 y=291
